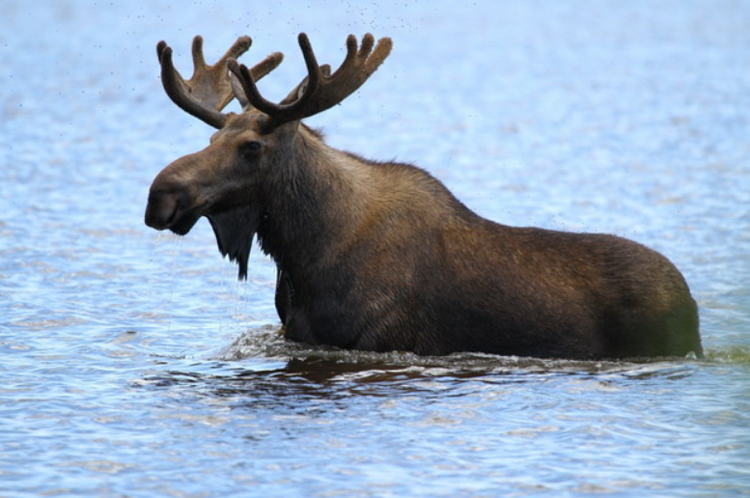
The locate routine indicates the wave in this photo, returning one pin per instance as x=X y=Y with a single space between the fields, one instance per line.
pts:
x=268 y=343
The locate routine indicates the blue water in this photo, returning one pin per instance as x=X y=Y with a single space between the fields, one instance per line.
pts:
x=134 y=365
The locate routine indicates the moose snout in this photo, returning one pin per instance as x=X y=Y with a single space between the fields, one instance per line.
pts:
x=162 y=210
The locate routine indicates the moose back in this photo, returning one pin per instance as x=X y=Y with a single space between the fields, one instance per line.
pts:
x=381 y=256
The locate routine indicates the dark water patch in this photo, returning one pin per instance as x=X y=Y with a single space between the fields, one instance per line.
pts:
x=294 y=370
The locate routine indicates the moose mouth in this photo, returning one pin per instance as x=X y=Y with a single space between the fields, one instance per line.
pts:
x=166 y=210
x=174 y=220
x=185 y=223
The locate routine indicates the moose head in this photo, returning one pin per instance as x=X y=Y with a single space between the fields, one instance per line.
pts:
x=229 y=181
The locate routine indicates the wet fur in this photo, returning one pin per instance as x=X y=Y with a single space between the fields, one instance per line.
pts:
x=381 y=256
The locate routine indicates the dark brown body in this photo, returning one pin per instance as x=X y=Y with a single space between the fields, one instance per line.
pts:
x=395 y=262
x=381 y=256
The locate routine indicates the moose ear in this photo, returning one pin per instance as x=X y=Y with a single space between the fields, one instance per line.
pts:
x=295 y=94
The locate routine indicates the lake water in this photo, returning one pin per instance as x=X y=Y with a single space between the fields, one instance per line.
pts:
x=134 y=365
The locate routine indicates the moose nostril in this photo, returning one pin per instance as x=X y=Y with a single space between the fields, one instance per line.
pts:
x=172 y=216
x=162 y=210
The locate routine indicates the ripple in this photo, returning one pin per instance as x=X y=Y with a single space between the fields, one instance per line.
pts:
x=135 y=365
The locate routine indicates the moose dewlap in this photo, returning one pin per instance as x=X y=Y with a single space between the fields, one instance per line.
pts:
x=381 y=256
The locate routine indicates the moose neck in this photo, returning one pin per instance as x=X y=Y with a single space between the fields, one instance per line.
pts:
x=318 y=195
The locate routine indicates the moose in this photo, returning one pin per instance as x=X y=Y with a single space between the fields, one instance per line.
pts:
x=381 y=256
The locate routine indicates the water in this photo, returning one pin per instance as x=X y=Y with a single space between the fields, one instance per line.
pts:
x=134 y=365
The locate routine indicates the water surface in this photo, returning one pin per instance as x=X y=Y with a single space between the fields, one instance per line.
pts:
x=135 y=365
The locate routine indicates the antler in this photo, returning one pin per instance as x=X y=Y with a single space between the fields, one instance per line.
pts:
x=209 y=89
x=322 y=91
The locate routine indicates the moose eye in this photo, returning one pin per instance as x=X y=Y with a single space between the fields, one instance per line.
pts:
x=251 y=148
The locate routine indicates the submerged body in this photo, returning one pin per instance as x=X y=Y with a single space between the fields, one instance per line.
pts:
x=381 y=256
x=409 y=267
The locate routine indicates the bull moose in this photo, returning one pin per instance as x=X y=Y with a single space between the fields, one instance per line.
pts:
x=381 y=256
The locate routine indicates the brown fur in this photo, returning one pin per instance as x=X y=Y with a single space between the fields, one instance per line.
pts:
x=381 y=256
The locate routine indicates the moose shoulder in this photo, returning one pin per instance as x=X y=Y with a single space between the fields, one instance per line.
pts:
x=381 y=256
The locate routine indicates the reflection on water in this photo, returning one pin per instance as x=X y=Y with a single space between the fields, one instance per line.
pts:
x=133 y=363
x=297 y=369
x=482 y=423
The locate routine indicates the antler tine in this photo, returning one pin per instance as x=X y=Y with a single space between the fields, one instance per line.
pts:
x=247 y=78
x=209 y=89
x=257 y=72
x=266 y=65
x=322 y=91
x=179 y=92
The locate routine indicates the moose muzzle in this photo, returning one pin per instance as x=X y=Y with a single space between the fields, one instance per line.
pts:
x=170 y=210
